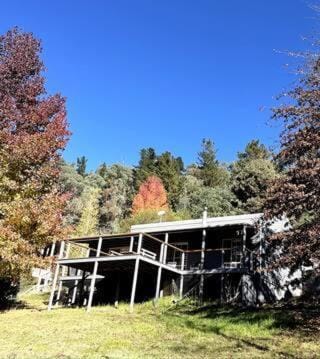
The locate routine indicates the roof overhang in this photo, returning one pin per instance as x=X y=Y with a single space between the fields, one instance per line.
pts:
x=244 y=219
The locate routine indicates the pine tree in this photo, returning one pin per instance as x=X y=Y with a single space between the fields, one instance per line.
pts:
x=210 y=171
x=169 y=170
x=251 y=175
x=147 y=166
x=82 y=165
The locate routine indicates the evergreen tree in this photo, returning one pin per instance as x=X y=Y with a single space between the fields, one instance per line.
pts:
x=251 y=175
x=209 y=170
x=116 y=197
x=147 y=166
x=169 y=170
x=102 y=170
x=195 y=197
x=82 y=165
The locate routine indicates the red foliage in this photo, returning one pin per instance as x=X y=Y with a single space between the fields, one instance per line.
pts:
x=151 y=195
x=296 y=193
x=33 y=131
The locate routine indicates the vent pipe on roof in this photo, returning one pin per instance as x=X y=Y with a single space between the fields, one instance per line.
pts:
x=204 y=217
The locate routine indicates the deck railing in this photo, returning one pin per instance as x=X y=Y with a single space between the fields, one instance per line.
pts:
x=155 y=249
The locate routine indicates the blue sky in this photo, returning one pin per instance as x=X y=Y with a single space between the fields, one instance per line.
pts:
x=166 y=73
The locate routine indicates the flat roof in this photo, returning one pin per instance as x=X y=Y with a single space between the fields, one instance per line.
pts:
x=211 y=222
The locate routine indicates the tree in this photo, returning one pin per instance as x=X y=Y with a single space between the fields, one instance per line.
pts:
x=89 y=220
x=209 y=170
x=147 y=166
x=150 y=216
x=151 y=195
x=195 y=197
x=72 y=184
x=33 y=132
x=296 y=193
x=82 y=165
x=169 y=170
x=251 y=175
x=116 y=197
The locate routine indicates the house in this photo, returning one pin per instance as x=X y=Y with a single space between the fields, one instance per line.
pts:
x=220 y=258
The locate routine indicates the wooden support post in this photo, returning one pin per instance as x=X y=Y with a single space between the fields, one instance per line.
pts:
x=140 y=243
x=134 y=284
x=39 y=280
x=166 y=239
x=203 y=247
x=244 y=250
x=159 y=273
x=221 y=288
x=56 y=275
x=65 y=268
x=135 y=274
x=94 y=275
x=116 y=301
x=80 y=302
x=75 y=288
x=131 y=244
x=53 y=247
x=260 y=248
x=59 y=290
x=181 y=276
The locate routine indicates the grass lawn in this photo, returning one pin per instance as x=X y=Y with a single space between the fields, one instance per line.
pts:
x=107 y=332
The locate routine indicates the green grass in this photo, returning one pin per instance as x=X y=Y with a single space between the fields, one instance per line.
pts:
x=162 y=332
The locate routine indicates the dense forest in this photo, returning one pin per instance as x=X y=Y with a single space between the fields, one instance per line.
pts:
x=113 y=197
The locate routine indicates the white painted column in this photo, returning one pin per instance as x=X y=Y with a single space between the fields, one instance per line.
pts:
x=181 y=276
x=131 y=244
x=116 y=302
x=166 y=240
x=56 y=275
x=159 y=272
x=140 y=243
x=53 y=247
x=134 y=284
x=203 y=247
x=75 y=288
x=135 y=274
x=94 y=275
x=244 y=240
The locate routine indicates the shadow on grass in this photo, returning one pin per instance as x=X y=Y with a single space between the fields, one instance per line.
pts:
x=35 y=302
x=232 y=322
x=293 y=317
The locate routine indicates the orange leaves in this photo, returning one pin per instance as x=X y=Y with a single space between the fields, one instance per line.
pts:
x=151 y=195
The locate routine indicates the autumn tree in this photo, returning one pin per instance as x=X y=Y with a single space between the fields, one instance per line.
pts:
x=251 y=175
x=33 y=132
x=151 y=196
x=296 y=193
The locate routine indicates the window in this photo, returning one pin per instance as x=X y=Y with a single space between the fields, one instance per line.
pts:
x=232 y=252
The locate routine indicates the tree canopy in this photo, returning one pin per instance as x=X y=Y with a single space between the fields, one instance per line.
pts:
x=296 y=192
x=33 y=132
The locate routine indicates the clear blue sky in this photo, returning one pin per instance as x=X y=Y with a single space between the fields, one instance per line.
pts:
x=166 y=73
